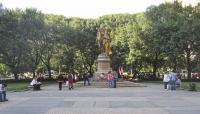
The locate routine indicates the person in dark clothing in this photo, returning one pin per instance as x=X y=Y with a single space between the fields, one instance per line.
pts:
x=86 y=79
x=60 y=81
x=115 y=77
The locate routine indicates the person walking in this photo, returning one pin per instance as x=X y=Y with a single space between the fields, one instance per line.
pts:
x=174 y=79
x=86 y=79
x=60 y=81
x=170 y=83
x=166 y=79
x=70 y=80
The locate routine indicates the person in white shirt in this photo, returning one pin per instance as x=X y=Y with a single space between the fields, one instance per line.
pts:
x=166 y=79
x=35 y=84
x=34 y=81
x=3 y=92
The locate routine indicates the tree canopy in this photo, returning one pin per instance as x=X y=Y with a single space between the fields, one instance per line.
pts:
x=163 y=37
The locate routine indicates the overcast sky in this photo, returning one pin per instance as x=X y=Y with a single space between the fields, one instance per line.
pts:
x=86 y=8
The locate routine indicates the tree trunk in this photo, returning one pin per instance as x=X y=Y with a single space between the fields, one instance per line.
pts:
x=154 y=70
x=91 y=72
x=59 y=71
x=175 y=65
x=33 y=73
x=189 y=69
x=155 y=67
x=49 y=70
x=16 y=76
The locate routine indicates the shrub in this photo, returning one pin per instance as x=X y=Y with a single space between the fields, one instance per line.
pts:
x=192 y=86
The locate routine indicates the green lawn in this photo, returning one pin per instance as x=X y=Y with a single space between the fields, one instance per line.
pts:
x=20 y=86
x=17 y=86
x=185 y=85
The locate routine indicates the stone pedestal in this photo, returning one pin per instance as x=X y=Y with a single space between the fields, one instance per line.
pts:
x=103 y=66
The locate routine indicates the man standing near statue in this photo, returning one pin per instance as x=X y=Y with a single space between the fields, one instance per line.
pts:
x=115 y=77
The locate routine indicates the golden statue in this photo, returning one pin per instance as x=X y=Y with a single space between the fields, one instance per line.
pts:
x=103 y=41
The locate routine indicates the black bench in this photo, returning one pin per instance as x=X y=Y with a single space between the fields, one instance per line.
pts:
x=35 y=86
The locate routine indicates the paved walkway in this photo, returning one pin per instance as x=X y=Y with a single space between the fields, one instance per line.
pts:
x=130 y=100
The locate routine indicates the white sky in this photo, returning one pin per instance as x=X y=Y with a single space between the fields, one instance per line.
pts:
x=86 y=8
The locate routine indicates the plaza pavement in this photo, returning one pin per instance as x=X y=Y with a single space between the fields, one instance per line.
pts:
x=152 y=99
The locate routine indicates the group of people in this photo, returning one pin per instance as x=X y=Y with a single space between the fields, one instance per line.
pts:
x=70 y=81
x=112 y=78
x=171 y=81
x=3 y=91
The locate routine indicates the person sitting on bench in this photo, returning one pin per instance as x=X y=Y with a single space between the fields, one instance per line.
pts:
x=35 y=84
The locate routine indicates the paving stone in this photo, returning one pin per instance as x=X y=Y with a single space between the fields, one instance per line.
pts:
x=152 y=99
x=106 y=111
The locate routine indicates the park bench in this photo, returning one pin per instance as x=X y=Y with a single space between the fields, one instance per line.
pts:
x=35 y=86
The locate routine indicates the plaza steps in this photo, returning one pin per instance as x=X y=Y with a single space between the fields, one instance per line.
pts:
x=104 y=84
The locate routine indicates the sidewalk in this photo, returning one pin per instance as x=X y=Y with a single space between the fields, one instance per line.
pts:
x=152 y=99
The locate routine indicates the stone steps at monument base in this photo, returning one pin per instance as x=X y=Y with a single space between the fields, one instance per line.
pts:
x=105 y=84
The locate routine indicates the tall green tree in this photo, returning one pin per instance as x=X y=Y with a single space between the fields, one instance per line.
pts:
x=32 y=23
x=53 y=32
x=13 y=45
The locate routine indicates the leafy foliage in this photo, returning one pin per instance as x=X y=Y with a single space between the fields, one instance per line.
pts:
x=162 y=37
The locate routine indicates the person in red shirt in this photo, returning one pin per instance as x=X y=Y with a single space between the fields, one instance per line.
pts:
x=110 y=79
x=70 y=80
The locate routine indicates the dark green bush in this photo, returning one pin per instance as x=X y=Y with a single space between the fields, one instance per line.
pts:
x=192 y=86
